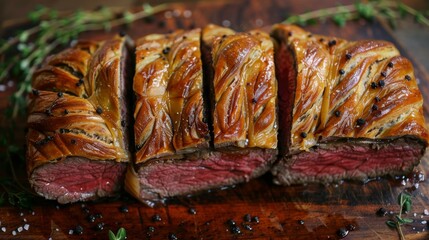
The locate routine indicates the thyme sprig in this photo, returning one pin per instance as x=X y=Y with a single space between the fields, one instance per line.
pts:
x=120 y=235
x=21 y=54
x=390 y=10
x=404 y=201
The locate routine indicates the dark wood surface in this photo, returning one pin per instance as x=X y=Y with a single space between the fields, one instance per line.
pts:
x=323 y=209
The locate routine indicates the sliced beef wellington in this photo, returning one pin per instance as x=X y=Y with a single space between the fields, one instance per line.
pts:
x=173 y=114
x=78 y=139
x=348 y=110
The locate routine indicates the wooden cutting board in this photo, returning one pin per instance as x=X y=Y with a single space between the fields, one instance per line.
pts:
x=297 y=212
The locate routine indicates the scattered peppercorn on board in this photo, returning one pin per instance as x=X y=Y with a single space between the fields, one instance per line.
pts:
x=255 y=210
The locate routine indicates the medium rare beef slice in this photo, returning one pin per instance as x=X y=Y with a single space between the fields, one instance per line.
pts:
x=170 y=120
x=174 y=156
x=339 y=98
x=77 y=144
x=169 y=114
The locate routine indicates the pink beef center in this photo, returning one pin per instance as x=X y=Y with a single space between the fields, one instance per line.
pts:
x=356 y=158
x=170 y=177
x=78 y=179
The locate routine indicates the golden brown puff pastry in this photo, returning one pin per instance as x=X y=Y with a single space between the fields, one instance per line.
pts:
x=360 y=89
x=171 y=130
x=244 y=88
x=77 y=110
x=169 y=113
x=347 y=109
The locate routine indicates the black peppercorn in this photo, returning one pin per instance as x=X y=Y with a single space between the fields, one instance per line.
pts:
x=60 y=94
x=254 y=100
x=151 y=229
x=342 y=71
x=381 y=212
x=342 y=232
x=303 y=135
x=156 y=218
x=390 y=64
x=99 y=226
x=80 y=82
x=231 y=222
x=78 y=230
x=73 y=141
x=66 y=111
x=123 y=209
x=48 y=112
x=248 y=227
x=99 y=110
x=90 y=218
x=348 y=56
x=36 y=92
x=408 y=77
x=192 y=211
x=49 y=138
x=381 y=83
x=337 y=113
x=122 y=33
x=235 y=230
x=377 y=99
x=255 y=219
x=85 y=209
x=247 y=218
x=98 y=215
x=166 y=50
x=384 y=74
x=374 y=107
x=171 y=236
x=332 y=43
x=301 y=222
x=373 y=85
x=360 y=121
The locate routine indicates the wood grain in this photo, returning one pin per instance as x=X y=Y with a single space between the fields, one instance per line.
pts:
x=323 y=209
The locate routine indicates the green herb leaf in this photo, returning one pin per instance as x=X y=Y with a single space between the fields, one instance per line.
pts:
x=122 y=234
x=128 y=17
x=23 y=36
x=339 y=19
x=112 y=235
x=391 y=224
x=419 y=17
x=402 y=10
x=407 y=220
x=404 y=200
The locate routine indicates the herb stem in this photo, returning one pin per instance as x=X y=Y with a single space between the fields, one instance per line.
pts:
x=322 y=13
x=388 y=9
x=401 y=234
x=54 y=30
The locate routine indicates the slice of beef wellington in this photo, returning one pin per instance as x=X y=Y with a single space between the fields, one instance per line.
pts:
x=348 y=110
x=77 y=139
x=184 y=144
